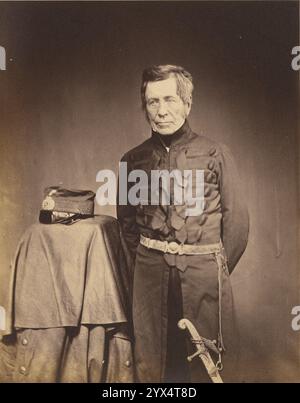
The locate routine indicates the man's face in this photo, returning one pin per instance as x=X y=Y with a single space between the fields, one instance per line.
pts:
x=165 y=109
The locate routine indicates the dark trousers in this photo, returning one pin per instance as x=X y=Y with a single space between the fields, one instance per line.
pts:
x=177 y=369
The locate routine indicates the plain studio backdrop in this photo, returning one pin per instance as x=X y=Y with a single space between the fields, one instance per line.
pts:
x=70 y=106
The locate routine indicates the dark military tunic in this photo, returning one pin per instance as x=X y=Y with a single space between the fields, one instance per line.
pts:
x=205 y=289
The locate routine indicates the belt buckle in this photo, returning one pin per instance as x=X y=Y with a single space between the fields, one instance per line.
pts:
x=173 y=248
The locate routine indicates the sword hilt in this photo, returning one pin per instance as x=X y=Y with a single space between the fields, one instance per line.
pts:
x=196 y=354
x=202 y=352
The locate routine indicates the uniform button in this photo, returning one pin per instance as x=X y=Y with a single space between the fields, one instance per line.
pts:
x=128 y=363
x=24 y=342
x=22 y=370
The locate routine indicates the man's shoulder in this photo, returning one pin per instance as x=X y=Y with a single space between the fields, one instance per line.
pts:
x=206 y=145
x=144 y=147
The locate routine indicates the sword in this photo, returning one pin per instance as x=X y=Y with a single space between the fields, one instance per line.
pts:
x=202 y=352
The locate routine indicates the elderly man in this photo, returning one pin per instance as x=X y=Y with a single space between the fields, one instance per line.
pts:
x=192 y=280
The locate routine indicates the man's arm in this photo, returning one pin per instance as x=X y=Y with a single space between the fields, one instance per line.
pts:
x=127 y=219
x=235 y=219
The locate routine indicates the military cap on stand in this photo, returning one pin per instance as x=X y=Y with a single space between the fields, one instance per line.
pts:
x=66 y=205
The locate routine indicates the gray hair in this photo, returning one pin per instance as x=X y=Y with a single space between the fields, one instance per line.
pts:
x=183 y=79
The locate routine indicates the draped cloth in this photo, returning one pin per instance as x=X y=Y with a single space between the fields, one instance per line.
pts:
x=69 y=300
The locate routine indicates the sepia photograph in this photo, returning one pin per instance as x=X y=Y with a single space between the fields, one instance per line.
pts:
x=150 y=194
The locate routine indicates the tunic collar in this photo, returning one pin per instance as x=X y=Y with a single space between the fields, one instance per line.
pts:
x=171 y=139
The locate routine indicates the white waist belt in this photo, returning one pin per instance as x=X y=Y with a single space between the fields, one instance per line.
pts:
x=180 y=249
